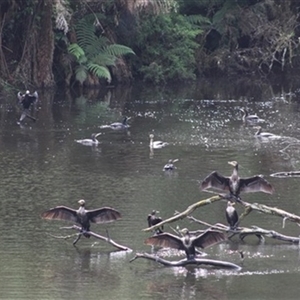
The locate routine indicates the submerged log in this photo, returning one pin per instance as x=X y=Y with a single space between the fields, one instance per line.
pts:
x=185 y=261
x=95 y=235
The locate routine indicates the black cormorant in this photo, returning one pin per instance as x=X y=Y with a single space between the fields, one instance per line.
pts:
x=235 y=185
x=26 y=100
x=82 y=216
x=231 y=215
x=153 y=219
x=187 y=242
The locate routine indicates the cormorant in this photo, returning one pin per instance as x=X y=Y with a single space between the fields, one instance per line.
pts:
x=187 y=242
x=26 y=100
x=231 y=215
x=90 y=142
x=252 y=119
x=153 y=220
x=119 y=125
x=82 y=216
x=266 y=135
x=156 y=144
x=170 y=165
x=235 y=185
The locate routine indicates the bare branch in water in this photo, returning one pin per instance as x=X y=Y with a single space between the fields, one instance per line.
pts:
x=95 y=235
x=185 y=261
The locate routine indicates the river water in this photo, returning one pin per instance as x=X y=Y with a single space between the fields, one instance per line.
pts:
x=42 y=167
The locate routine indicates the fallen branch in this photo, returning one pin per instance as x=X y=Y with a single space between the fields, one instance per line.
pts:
x=185 y=261
x=185 y=213
x=95 y=235
x=244 y=231
x=269 y=210
x=286 y=174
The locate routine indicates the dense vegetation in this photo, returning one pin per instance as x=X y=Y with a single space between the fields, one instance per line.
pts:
x=50 y=42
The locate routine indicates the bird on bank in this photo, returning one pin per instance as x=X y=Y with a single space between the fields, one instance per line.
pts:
x=90 y=142
x=187 y=242
x=265 y=135
x=26 y=100
x=156 y=144
x=153 y=219
x=251 y=119
x=231 y=215
x=235 y=185
x=170 y=165
x=82 y=216
x=118 y=125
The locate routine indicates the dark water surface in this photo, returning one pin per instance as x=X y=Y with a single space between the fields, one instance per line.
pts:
x=42 y=166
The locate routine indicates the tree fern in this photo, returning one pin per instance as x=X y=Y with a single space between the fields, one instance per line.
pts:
x=81 y=73
x=118 y=50
x=99 y=71
x=76 y=50
x=94 y=53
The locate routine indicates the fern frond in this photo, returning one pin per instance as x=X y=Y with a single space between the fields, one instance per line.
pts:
x=76 y=50
x=198 y=20
x=99 y=71
x=118 y=50
x=104 y=59
x=85 y=33
x=81 y=73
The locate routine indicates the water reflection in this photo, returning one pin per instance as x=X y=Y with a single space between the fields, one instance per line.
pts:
x=42 y=166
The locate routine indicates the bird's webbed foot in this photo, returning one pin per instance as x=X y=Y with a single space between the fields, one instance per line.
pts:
x=77 y=239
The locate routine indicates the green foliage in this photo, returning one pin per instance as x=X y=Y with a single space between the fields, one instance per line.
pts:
x=166 y=46
x=94 y=53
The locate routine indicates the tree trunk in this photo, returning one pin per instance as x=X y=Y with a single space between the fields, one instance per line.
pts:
x=35 y=65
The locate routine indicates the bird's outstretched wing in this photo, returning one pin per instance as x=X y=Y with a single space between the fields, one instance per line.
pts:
x=165 y=240
x=255 y=184
x=216 y=181
x=209 y=238
x=60 y=213
x=20 y=96
x=103 y=215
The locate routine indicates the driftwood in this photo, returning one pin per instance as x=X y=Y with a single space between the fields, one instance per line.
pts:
x=244 y=231
x=95 y=235
x=185 y=213
x=286 y=174
x=185 y=261
x=269 y=210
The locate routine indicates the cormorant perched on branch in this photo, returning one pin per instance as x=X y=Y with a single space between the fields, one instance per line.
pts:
x=187 y=242
x=153 y=220
x=231 y=215
x=26 y=100
x=235 y=185
x=82 y=216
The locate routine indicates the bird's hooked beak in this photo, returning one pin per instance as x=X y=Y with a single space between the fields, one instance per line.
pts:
x=184 y=231
x=97 y=134
x=233 y=163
